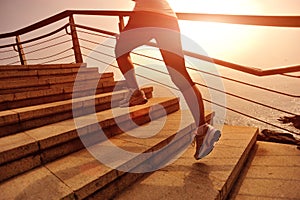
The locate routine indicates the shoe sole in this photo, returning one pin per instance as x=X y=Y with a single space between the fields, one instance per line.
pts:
x=133 y=103
x=208 y=144
x=138 y=102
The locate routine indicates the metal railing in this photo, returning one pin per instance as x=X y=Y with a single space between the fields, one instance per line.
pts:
x=71 y=46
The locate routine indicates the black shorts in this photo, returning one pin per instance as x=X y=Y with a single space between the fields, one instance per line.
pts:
x=145 y=26
x=150 y=19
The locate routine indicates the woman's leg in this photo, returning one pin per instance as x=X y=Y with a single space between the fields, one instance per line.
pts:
x=179 y=75
x=130 y=38
x=126 y=66
x=205 y=136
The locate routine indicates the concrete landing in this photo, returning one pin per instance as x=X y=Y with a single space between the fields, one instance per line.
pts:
x=272 y=172
x=209 y=178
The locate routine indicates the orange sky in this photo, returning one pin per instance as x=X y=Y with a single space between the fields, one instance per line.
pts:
x=272 y=47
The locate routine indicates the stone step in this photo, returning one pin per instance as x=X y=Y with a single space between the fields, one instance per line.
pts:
x=26 y=150
x=29 y=77
x=28 y=82
x=44 y=82
x=209 y=178
x=58 y=92
x=80 y=175
x=6 y=68
x=272 y=172
x=16 y=72
x=25 y=118
x=24 y=78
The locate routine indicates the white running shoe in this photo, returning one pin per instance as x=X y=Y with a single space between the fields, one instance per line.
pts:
x=205 y=142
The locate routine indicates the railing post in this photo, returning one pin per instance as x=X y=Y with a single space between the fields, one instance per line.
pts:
x=76 y=46
x=121 y=23
x=21 y=51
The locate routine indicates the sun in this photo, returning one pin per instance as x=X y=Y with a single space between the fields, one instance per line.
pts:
x=215 y=6
x=218 y=38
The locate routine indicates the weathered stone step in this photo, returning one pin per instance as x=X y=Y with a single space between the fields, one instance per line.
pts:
x=26 y=150
x=26 y=82
x=25 y=78
x=80 y=175
x=32 y=83
x=58 y=92
x=209 y=178
x=12 y=73
x=4 y=68
x=20 y=119
x=272 y=172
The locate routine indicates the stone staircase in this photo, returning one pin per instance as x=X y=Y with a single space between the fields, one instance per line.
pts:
x=51 y=136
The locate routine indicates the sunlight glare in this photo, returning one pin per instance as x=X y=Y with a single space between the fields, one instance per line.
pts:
x=219 y=38
x=215 y=6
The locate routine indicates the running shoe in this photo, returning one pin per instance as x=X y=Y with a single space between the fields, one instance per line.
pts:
x=205 y=142
x=133 y=98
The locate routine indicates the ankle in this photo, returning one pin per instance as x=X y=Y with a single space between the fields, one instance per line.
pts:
x=202 y=129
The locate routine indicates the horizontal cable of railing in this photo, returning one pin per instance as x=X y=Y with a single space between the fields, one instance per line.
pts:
x=46 y=41
x=8 y=58
x=96 y=30
x=246 y=69
x=278 y=21
x=6 y=51
x=58 y=59
x=96 y=51
x=206 y=59
x=49 y=46
x=215 y=89
x=217 y=104
x=51 y=56
x=223 y=77
x=39 y=47
x=291 y=76
x=37 y=38
x=229 y=79
x=96 y=34
x=282 y=21
x=227 y=93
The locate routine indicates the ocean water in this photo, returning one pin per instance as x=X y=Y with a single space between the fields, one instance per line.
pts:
x=260 y=47
x=276 y=82
x=225 y=116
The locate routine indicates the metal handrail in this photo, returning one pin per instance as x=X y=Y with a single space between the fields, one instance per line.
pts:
x=215 y=89
x=222 y=106
x=278 y=21
x=37 y=38
x=275 y=21
x=255 y=20
x=241 y=68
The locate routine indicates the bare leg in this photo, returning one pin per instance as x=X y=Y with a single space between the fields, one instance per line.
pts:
x=194 y=100
x=126 y=66
x=183 y=81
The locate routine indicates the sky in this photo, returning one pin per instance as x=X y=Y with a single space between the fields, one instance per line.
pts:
x=229 y=42
x=15 y=14
x=260 y=47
